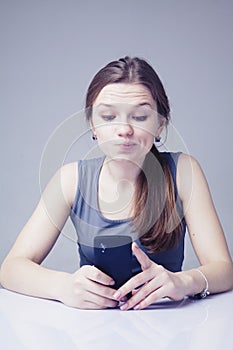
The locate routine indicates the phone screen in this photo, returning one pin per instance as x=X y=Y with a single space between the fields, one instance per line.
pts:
x=113 y=256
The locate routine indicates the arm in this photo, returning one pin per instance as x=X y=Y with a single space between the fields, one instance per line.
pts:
x=208 y=242
x=21 y=270
x=204 y=228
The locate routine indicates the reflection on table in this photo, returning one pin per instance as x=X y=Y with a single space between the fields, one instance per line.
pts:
x=32 y=323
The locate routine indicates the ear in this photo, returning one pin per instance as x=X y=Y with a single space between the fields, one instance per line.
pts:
x=92 y=126
x=162 y=124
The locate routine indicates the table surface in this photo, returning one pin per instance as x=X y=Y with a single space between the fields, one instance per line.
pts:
x=33 y=323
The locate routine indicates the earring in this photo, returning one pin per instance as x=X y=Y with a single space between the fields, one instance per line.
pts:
x=157 y=138
x=94 y=137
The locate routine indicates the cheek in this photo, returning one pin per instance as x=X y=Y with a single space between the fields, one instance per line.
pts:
x=150 y=128
x=148 y=138
x=149 y=141
x=147 y=133
x=104 y=133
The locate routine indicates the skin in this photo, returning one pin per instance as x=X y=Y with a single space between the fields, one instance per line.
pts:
x=125 y=122
x=89 y=288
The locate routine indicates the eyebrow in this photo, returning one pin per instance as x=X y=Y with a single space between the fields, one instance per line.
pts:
x=138 y=105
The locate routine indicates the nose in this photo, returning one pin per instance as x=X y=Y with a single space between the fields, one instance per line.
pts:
x=124 y=129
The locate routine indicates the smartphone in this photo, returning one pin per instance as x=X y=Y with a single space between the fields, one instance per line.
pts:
x=113 y=256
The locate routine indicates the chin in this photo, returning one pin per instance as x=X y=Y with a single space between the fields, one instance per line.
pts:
x=135 y=158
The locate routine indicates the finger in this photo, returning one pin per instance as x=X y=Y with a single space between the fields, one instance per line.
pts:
x=100 y=289
x=146 y=290
x=142 y=258
x=101 y=301
x=151 y=298
x=135 y=291
x=88 y=305
x=97 y=275
x=132 y=284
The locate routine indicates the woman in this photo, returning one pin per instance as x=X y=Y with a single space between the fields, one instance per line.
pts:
x=133 y=190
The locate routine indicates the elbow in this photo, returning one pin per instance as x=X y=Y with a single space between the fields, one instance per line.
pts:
x=3 y=274
x=6 y=275
x=229 y=277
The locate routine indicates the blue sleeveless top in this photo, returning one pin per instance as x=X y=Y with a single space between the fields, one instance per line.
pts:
x=89 y=222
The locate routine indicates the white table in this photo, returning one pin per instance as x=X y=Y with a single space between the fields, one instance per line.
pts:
x=37 y=324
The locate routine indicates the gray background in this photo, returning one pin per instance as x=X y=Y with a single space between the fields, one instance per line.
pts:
x=50 y=49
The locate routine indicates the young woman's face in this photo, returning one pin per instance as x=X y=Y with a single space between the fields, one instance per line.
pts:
x=125 y=121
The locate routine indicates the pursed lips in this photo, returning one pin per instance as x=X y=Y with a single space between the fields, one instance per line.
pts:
x=126 y=144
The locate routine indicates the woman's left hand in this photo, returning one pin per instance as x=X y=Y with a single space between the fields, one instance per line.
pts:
x=154 y=282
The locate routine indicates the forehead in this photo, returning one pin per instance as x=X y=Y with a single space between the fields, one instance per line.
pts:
x=133 y=94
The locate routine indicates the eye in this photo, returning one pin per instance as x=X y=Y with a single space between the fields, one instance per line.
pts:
x=108 y=118
x=140 y=118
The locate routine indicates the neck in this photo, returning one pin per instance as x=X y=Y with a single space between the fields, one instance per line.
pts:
x=120 y=169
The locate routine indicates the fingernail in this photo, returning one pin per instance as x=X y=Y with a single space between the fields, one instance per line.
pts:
x=137 y=307
x=112 y=283
x=124 y=307
x=116 y=295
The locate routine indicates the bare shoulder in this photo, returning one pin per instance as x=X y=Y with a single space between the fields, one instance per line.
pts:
x=69 y=181
x=185 y=161
x=189 y=175
x=69 y=169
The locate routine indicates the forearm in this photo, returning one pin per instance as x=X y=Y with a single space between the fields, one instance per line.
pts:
x=24 y=276
x=218 y=274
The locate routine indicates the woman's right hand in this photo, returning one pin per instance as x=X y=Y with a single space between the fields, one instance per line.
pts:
x=88 y=288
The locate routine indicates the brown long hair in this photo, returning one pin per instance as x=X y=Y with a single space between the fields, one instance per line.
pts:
x=161 y=226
